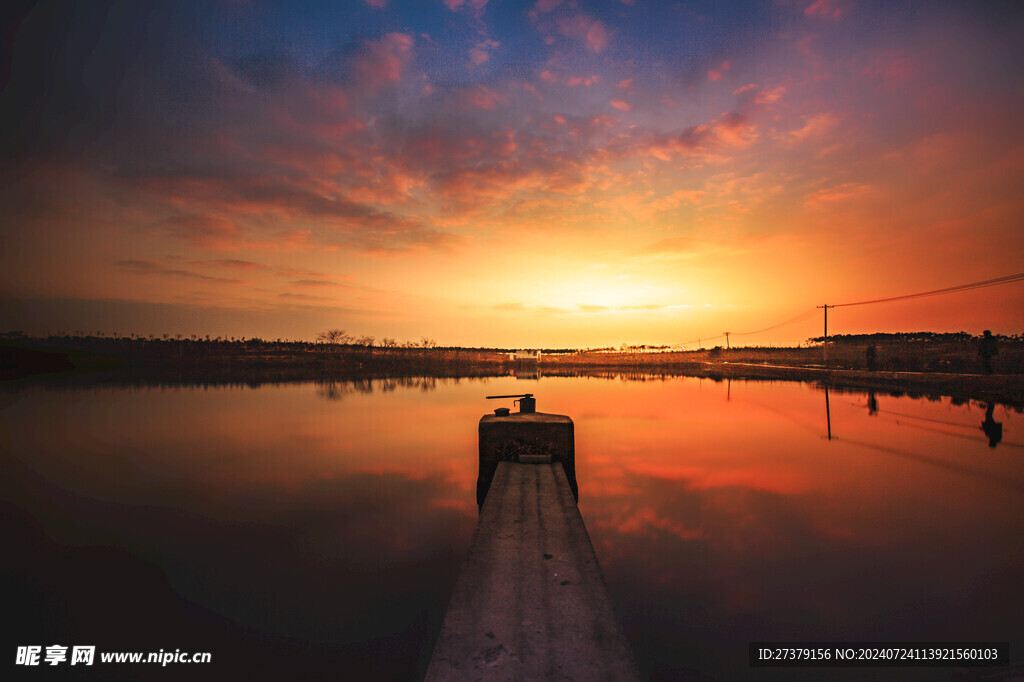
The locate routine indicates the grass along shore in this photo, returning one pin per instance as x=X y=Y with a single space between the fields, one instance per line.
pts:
x=924 y=363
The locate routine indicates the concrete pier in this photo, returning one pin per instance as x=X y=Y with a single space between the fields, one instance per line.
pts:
x=531 y=603
x=525 y=436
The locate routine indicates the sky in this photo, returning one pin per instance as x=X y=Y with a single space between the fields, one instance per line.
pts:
x=556 y=173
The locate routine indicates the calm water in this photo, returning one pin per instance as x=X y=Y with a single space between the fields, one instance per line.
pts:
x=304 y=528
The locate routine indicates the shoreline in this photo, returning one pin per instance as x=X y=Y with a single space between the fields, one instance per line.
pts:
x=26 y=365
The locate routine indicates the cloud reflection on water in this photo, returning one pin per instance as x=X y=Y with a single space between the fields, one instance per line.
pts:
x=272 y=526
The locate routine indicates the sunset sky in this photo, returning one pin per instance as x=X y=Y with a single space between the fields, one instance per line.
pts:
x=556 y=173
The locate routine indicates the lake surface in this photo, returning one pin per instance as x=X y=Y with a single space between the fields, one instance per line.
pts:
x=299 y=529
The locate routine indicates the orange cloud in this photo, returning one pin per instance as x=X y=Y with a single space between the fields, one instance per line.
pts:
x=729 y=131
x=817 y=128
x=144 y=267
x=787 y=482
x=640 y=521
x=206 y=231
x=842 y=193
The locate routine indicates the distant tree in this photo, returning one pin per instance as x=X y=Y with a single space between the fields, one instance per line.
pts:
x=365 y=341
x=334 y=336
x=387 y=342
x=427 y=342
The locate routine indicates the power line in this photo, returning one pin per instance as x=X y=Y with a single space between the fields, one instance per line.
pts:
x=948 y=290
x=799 y=318
x=1008 y=279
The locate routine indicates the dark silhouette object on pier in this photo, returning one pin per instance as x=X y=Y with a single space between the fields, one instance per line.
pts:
x=870 y=353
x=992 y=428
x=988 y=347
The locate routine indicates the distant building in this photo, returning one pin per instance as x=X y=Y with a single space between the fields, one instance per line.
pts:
x=526 y=356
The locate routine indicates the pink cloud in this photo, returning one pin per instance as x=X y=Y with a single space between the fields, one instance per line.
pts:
x=891 y=69
x=588 y=30
x=475 y=5
x=826 y=9
x=716 y=73
x=626 y=84
x=548 y=76
x=620 y=105
x=330 y=98
x=584 y=81
x=543 y=7
x=383 y=61
x=482 y=97
x=378 y=4
x=481 y=53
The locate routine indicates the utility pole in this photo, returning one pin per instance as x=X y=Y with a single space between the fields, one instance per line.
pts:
x=824 y=346
x=726 y=340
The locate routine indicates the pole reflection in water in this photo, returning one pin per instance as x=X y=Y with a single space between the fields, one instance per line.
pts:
x=828 y=415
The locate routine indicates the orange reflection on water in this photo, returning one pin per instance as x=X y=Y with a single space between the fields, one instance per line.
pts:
x=721 y=512
x=729 y=501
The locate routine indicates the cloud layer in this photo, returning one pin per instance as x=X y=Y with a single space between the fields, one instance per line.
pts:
x=383 y=148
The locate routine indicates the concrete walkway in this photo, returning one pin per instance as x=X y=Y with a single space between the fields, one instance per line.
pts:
x=531 y=603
